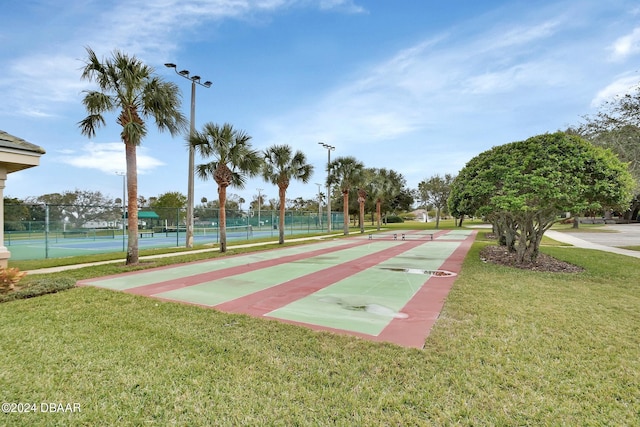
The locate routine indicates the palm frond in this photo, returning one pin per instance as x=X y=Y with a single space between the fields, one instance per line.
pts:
x=90 y=123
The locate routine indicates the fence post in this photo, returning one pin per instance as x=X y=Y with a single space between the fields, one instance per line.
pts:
x=46 y=230
x=177 y=227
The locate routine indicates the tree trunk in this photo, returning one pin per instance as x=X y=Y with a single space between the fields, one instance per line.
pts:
x=437 y=217
x=132 y=208
x=362 y=197
x=345 y=212
x=378 y=212
x=222 y=198
x=283 y=194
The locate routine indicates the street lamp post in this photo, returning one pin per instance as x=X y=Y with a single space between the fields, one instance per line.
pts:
x=194 y=80
x=124 y=204
x=329 y=148
x=259 y=202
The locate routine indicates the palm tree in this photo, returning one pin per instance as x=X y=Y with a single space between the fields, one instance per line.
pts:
x=387 y=184
x=346 y=172
x=129 y=86
x=281 y=165
x=362 y=197
x=233 y=162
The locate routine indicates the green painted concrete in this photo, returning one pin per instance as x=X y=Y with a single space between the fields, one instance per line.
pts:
x=457 y=234
x=344 y=304
x=155 y=276
x=229 y=288
x=367 y=301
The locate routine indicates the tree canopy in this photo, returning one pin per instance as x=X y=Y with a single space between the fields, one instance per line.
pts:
x=169 y=206
x=617 y=126
x=435 y=191
x=233 y=161
x=281 y=165
x=346 y=173
x=129 y=87
x=523 y=187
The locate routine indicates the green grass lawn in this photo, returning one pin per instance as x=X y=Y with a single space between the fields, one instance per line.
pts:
x=511 y=347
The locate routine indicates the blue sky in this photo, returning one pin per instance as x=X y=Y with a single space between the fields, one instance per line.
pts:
x=418 y=86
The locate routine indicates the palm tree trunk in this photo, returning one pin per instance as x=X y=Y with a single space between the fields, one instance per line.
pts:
x=132 y=208
x=282 y=192
x=222 y=198
x=362 y=197
x=345 y=212
x=378 y=212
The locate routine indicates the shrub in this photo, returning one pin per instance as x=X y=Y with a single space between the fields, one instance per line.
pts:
x=9 y=277
x=39 y=287
x=394 y=218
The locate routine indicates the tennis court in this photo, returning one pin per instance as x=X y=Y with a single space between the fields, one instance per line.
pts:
x=59 y=244
x=382 y=287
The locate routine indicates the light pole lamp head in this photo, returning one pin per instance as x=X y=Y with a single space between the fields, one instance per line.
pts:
x=327 y=146
x=184 y=73
x=195 y=78
x=207 y=84
x=170 y=65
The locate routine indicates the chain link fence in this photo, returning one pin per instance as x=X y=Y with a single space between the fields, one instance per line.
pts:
x=52 y=231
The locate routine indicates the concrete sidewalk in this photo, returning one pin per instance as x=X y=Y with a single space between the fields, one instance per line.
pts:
x=617 y=235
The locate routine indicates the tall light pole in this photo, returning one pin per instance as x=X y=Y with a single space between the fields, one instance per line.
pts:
x=319 y=206
x=194 y=80
x=329 y=148
x=124 y=203
x=259 y=202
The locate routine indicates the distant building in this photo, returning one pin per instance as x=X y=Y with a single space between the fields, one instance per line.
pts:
x=421 y=215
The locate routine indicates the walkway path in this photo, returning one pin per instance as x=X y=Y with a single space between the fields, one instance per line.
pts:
x=609 y=240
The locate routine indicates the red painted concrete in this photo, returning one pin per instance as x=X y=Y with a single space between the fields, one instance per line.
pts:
x=267 y=300
x=423 y=309
x=183 y=282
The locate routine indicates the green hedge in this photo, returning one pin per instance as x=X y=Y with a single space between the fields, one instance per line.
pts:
x=39 y=287
x=394 y=219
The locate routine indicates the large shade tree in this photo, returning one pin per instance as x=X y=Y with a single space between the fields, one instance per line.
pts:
x=128 y=86
x=523 y=187
x=76 y=208
x=281 y=165
x=346 y=173
x=435 y=191
x=617 y=126
x=384 y=187
x=233 y=162
x=170 y=208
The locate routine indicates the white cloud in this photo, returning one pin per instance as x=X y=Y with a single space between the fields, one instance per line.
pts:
x=626 y=46
x=427 y=85
x=621 y=86
x=346 y=5
x=109 y=158
x=35 y=85
x=521 y=35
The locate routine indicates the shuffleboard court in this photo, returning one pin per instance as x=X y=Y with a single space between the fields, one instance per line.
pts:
x=384 y=288
x=366 y=301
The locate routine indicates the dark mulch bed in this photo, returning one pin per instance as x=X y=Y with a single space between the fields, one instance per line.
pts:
x=499 y=255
